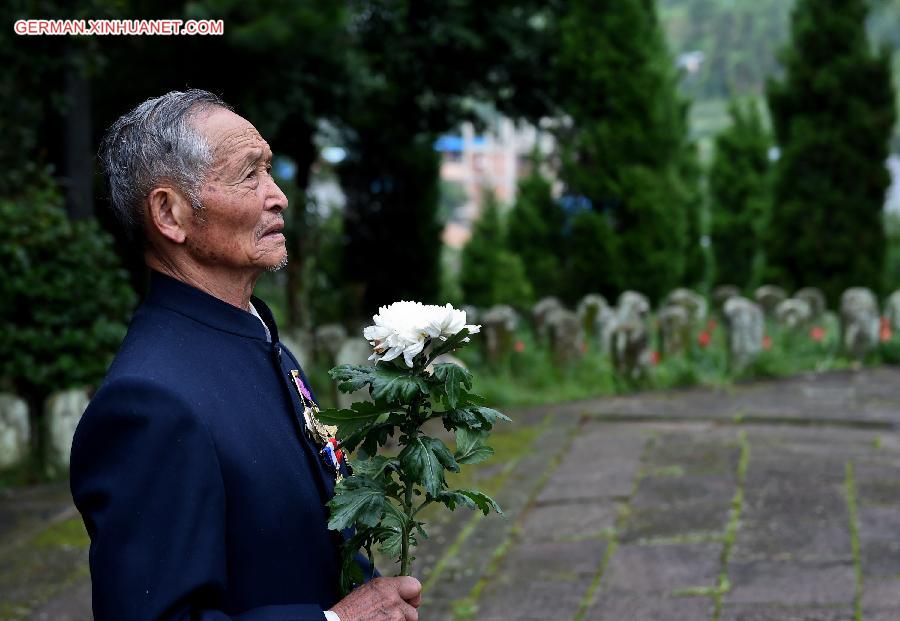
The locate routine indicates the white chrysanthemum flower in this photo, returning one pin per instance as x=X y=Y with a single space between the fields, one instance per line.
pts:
x=404 y=327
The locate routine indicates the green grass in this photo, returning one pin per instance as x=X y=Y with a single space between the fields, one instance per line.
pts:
x=67 y=534
x=28 y=472
x=850 y=488
x=588 y=599
x=466 y=607
x=734 y=522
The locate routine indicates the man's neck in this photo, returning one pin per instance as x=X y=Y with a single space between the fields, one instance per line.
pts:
x=219 y=283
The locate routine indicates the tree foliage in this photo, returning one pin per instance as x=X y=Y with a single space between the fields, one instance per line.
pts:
x=832 y=115
x=535 y=233
x=64 y=299
x=626 y=147
x=892 y=259
x=589 y=265
x=740 y=195
x=419 y=67
x=491 y=273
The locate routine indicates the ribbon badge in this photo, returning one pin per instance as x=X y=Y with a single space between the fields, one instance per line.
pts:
x=334 y=456
x=321 y=434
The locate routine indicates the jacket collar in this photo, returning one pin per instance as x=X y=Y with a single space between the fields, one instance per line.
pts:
x=167 y=292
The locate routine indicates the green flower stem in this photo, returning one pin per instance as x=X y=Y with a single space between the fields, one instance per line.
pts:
x=407 y=496
x=404 y=542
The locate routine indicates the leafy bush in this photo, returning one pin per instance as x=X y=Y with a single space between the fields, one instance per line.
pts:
x=536 y=224
x=64 y=300
x=740 y=195
x=490 y=273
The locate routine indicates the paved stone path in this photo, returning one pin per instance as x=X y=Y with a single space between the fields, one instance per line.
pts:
x=773 y=501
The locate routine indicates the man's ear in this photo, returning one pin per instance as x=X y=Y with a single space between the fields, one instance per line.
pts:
x=169 y=214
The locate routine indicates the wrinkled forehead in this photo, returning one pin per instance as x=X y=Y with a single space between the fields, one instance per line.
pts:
x=229 y=135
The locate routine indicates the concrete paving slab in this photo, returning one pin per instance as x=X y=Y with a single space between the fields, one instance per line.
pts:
x=655 y=473
x=532 y=600
x=561 y=521
x=743 y=612
x=663 y=569
x=881 y=597
x=687 y=519
x=791 y=583
x=613 y=606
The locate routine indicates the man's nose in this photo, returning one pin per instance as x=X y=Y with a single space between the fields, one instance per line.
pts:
x=276 y=199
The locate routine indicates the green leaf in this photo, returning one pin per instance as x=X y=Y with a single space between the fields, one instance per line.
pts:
x=423 y=466
x=441 y=451
x=470 y=398
x=373 y=467
x=461 y=418
x=351 y=572
x=484 y=502
x=452 y=498
x=452 y=374
x=357 y=500
x=472 y=417
x=449 y=345
x=490 y=416
x=396 y=385
x=351 y=377
x=359 y=413
x=391 y=544
x=350 y=437
x=375 y=437
x=470 y=447
x=394 y=523
x=355 y=423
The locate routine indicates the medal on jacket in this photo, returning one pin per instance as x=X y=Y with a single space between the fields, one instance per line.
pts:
x=321 y=434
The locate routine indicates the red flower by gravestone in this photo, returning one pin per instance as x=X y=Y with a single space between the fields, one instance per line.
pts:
x=885 y=332
x=519 y=346
x=703 y=338
x=654 y=358
x=767 y=342
x=817 y=333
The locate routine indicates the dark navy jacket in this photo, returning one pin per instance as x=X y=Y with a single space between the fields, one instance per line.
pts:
x=203 y=497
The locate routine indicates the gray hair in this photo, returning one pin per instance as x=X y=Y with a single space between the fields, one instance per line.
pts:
x=156 y=143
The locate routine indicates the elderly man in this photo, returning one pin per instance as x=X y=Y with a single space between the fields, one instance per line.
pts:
x=199 y=483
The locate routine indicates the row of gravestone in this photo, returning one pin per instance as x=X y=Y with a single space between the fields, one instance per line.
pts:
x=62 y=412
x=622 y=331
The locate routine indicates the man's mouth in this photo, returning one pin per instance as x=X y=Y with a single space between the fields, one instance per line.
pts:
x=274 y=230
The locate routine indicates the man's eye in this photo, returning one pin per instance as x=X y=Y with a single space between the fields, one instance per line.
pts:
x=250 y=174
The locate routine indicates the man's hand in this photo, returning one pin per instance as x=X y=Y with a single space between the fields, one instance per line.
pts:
x=382 y=599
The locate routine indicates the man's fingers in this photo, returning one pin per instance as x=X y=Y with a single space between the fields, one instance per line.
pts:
x=408 y=587
x=410 y=613
x=382 y=598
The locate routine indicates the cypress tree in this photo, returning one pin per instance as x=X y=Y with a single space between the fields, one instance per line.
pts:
x=832 y=114
x=740 y=195
x=589 y=265
x=536 y=233
x=626 y=147
x=490 y=274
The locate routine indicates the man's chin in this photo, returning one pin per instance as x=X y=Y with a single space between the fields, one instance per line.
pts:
x=279 y=265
